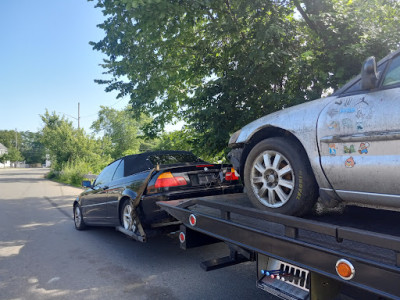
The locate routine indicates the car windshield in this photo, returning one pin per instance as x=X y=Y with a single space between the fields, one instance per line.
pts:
x=173 y=158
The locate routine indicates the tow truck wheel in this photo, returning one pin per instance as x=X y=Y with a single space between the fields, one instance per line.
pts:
x=126 y=216
x=278 y=177
x=78 y=219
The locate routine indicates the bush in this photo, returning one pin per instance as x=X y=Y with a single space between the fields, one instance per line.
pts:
x=73 y=172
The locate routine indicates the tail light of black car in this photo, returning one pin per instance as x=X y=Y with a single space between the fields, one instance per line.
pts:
x=167 y=179
x=192 y=177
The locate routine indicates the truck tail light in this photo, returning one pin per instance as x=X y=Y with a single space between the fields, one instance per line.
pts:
x=345 y=269
x=167 y=180
x=192 y=220
x=182 y=237
x=231 y=175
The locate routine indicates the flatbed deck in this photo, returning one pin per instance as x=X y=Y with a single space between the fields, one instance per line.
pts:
x=368 y=238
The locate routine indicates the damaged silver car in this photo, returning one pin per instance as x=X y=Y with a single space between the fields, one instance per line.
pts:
x=343 y=148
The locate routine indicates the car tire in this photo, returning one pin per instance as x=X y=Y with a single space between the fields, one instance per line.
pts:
x=278 y=177
x=127 y=222
x=78 y=218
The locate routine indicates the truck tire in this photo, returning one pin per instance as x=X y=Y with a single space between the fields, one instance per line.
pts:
x=278 y=177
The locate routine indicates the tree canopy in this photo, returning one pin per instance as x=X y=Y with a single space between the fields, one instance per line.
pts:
x=74 y=153
x=22 y=146
x=218 y=64
x=32 y=148
x=123 y=130
x=67 y=144
x=10 y=138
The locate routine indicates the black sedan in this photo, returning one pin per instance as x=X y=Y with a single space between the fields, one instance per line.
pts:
x=125 y=193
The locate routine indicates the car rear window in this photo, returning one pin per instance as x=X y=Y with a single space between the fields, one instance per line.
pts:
x=173 y=158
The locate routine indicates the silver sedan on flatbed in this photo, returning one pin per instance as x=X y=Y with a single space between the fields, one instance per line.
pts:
x=343 y=148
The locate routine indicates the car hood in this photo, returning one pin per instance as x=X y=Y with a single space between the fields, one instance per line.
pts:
x=299 y=119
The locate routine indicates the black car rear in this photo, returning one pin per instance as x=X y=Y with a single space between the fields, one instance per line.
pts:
x=171 y=182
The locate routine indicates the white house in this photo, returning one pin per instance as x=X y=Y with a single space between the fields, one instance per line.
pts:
x=4 y=150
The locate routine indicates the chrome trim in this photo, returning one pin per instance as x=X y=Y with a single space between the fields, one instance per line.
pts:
x=361 y=137
x=104 y=203
x=327 y=190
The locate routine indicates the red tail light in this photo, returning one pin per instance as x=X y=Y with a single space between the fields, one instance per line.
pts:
x=167 y=179
x=232 y=175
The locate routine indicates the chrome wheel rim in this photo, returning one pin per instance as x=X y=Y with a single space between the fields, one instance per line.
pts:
x=77 y=217
x=127 y=217
x=272 y=179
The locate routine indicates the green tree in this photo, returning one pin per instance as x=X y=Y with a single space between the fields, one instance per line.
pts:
x=123 y=130
x=176 y=140
x=14 y=155
x=10 y=138
x=218 y=64
x=340 y=34
x=66 y=144
x=32 y=148
x=187 y=139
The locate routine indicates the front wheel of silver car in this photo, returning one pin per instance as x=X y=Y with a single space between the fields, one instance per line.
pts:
x=278 y=177
x=78 y=219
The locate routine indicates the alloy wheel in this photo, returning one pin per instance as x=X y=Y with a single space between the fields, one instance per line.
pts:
x=272 y=179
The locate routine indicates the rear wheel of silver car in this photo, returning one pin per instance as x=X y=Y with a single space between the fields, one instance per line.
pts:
x=278 y=177
x=127 y=220
x=78 y=219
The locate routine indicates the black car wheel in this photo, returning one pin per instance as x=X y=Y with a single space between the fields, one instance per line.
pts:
x=78 y=219
x=127 y=220
x=278 y=177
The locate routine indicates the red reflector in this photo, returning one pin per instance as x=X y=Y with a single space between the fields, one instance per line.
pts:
x=167 y=180
x=204 y=166
x=182 y=237
x=192 y=220
x=229 y=176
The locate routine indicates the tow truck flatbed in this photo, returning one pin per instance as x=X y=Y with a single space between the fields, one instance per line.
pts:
x=368 y=240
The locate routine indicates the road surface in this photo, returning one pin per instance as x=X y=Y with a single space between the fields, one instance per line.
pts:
x=42 y=256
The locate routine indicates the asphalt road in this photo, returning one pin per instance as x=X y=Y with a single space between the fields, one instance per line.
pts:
x=42 y=256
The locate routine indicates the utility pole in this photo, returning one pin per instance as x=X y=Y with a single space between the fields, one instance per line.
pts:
x=79 y=114
x=16 y=139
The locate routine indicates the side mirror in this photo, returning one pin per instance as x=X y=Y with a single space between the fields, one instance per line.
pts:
x=87 y=183
x=369 y=77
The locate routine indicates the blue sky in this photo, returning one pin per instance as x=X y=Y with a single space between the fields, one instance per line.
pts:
x=47 y=63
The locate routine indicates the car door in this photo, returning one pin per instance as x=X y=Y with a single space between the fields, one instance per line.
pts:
x=114 y=192
x=359 y=138
x=94 y=202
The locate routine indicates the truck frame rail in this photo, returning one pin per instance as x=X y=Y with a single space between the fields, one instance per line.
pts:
x=312 y=245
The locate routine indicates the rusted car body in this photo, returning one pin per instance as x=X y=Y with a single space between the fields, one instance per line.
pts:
x=348 y=145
